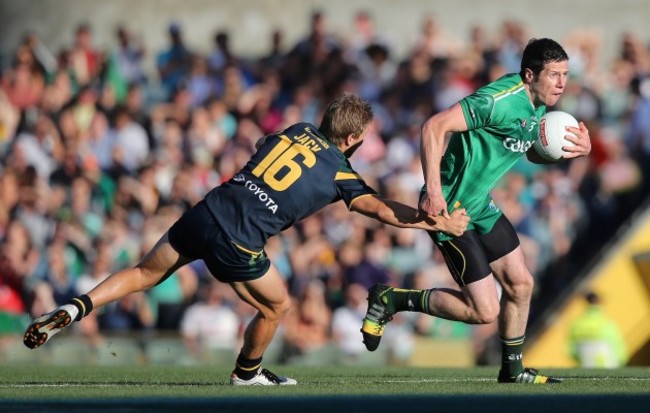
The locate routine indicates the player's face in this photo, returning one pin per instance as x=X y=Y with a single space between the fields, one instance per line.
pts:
x=549 y=85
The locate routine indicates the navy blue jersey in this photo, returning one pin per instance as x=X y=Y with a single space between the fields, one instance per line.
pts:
x=295 y=173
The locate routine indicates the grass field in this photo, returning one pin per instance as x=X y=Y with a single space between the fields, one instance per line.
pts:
x=164 y=389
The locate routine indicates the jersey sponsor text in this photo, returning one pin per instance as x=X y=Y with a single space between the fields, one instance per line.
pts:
x=517 y=145
x=262 y=196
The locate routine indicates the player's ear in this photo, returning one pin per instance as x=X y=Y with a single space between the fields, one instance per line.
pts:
x=528 y=75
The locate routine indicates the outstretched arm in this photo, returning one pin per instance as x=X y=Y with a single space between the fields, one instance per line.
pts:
x=400 y=215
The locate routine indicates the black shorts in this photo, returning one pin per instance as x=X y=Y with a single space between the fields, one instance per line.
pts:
x=469 y=256
x=197 y=235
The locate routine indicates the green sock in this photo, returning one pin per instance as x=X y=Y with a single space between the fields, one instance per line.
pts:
x=410 y=300
x=511 y=355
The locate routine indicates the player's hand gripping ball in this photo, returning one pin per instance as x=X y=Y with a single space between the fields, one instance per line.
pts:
x=552 y=132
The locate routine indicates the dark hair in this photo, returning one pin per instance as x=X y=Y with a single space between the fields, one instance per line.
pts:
x=539 y=52
x=346 y=115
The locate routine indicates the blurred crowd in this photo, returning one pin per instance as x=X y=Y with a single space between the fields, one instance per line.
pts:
x=99 y=157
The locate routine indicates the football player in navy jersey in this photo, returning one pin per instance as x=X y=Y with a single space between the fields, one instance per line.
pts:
x=293 y=174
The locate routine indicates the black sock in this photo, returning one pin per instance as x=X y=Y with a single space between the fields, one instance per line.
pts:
x=246 y=368
x=410 y=300
x=511 y=355
x=84 y=304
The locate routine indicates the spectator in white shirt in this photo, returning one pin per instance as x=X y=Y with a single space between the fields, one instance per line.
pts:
x=210 y=323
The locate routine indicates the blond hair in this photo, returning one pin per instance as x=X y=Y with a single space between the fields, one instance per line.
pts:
x=346 y=115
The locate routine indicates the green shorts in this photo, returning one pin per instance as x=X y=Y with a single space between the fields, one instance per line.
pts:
x=483 y=216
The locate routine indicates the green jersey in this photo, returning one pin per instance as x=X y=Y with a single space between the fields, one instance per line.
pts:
x=502 y=125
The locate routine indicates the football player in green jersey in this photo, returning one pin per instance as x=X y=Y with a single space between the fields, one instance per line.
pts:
x=293 y=174
x=491 y=130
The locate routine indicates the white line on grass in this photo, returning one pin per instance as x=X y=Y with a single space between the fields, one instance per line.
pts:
x=389 y=381
x=30 y=385
x=485 y=379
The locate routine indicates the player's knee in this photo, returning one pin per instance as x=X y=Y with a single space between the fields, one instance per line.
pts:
x=487 y=314
x=276 y=311
x=284 y=307
x=521 y=289
x=146 y=277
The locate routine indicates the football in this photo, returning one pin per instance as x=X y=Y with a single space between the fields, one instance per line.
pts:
x=552 y=132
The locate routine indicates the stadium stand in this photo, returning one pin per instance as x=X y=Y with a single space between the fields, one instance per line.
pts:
x=99 y=155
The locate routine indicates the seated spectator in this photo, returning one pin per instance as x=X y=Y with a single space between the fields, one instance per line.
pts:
x=57 y=273
x=200 y=84
x=128 y=55
x=346 y=321
x=100 y=268
x=359 y=268
x=307 y=323
x=18 y=259
x=131 y=313
x=198 y=327
x=131 y=139
x=173 y=63
x=84 y=57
